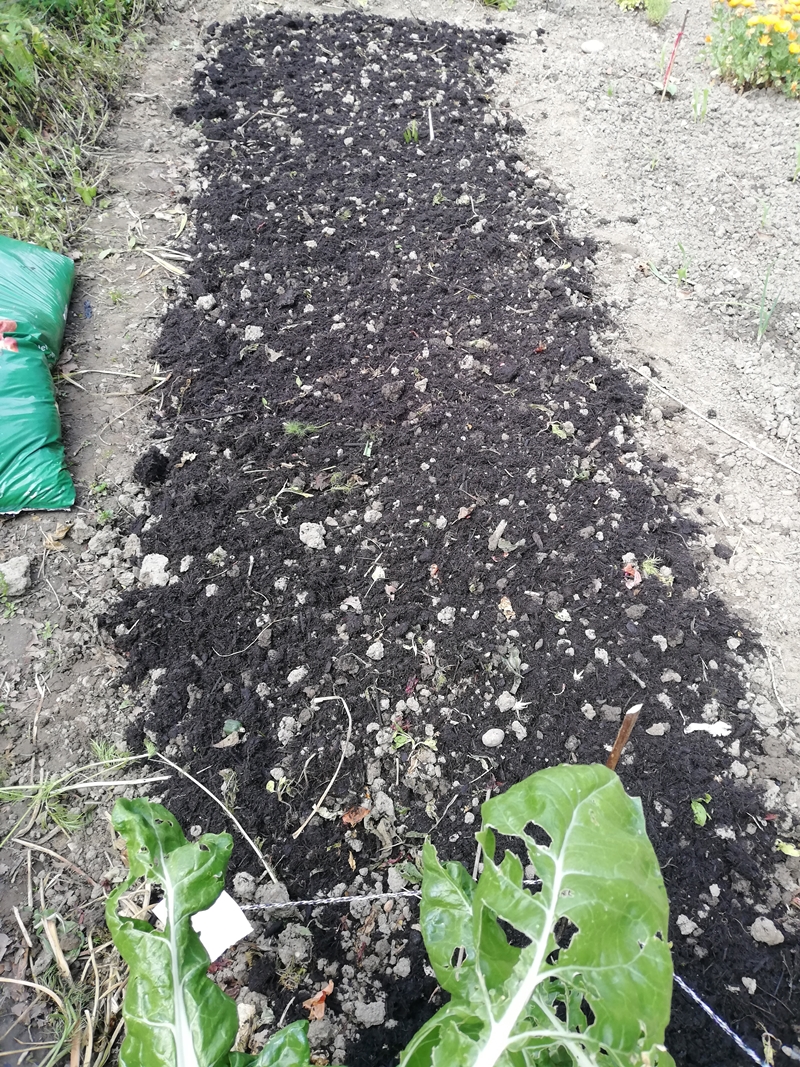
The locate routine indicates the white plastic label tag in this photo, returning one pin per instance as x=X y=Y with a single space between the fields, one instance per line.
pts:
x=219 y=927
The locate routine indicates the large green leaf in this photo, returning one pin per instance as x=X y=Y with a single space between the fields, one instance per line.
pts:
x=175 y=1016
x=288 y=1048
x=594 y=980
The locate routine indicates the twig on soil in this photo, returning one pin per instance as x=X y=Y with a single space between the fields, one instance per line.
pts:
x=321 y=801
x=213 y=418
x=624 y=732
x=775 y=684
x=97 y=370
x=633 y=674
x=231 y=816
x=226 y=655
x=51 y=933
x=430 y=125
x=717 y=426
x=286 y=1012
x=22 y=927
x=40 y=988
x=36 y=714
x=55 y=855
x=120 y=416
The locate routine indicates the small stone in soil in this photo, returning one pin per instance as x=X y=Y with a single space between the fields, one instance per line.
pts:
x=153 y=571
x=312 y=534
x=765 y=931
x=493 y=738
x=16 y=575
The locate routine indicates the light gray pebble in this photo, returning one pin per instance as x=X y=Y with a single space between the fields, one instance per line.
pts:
x=16 y=575
x=153 y=571
x=765 y=931
x=493 y=738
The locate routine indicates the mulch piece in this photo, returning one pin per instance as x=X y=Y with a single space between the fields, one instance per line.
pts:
x=403 y=332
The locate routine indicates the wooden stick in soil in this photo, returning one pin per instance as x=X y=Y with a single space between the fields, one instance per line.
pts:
x=55 y=855
x=51 y=933
x=321 y=801
x=39 y=988
x=623 y=735
x=717 y=426
x=228 y=812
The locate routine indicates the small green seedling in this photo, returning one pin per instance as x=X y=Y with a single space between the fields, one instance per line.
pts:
x=766 y=309
x=700 y=104
x=116 y=296
x=653 y=567
x=402 y=738
x=293 y=428
x=796 y=174
x=682 y=273
x=8 y=607
x=105 y=752
x=411 y=132
x=699 y=810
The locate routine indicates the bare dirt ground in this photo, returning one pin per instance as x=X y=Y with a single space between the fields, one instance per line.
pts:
x=690 y=205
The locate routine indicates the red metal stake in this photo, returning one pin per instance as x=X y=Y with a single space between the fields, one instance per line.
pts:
x=672 y=57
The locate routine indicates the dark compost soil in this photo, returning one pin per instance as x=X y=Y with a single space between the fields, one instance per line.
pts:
x=401 y=351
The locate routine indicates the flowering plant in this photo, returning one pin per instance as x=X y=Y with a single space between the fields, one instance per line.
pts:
x=757 y=44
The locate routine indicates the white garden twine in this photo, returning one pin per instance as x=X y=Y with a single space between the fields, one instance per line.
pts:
x=321 y=901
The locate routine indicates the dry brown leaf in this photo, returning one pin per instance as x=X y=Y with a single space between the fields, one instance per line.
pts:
x=354 y=815
x=506 y=608
x=316 y=1005
x=52 y=541
x=229 y=741
x=351 y=860
x=464 y=513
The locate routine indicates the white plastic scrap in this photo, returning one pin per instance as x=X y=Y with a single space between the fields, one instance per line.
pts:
x=716 y=729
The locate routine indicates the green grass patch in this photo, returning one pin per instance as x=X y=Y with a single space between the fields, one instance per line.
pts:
x=657 y=10
x=59 y=64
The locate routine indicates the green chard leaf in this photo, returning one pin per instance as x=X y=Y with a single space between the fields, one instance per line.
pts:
x=595 y=978
x=175 y=1016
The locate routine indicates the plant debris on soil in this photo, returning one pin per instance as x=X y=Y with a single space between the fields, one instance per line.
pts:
x=391 y=467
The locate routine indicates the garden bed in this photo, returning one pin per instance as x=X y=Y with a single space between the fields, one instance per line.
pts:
x=399 y=472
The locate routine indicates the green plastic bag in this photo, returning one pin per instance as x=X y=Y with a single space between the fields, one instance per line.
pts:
x=35 y=287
